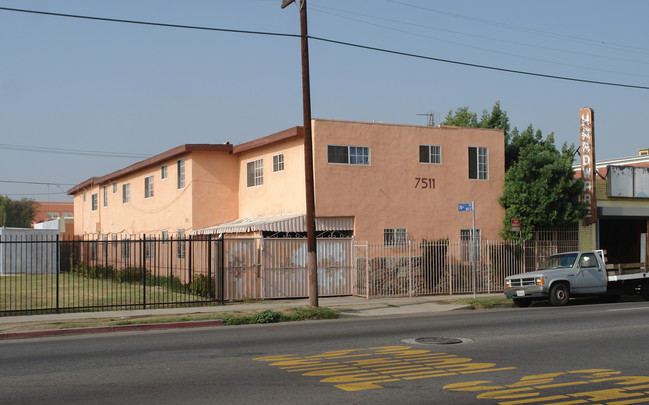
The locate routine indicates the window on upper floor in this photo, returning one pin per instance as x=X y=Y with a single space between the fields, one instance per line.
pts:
x=148 y=187
x=430 y=154
x=163 y=172
x=255 y=173
x=478 y=163
x=52 y=215
x=126 y=193
x=278 y=163
x=93 y=201
x=395 y=236
x=114 y=187
x=105 y=195
x=348 y=155
x=181 y=173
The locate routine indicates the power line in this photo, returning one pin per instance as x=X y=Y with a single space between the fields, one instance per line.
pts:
x=44 y=149
x=343 y=43
x=40 y=183
x=409 y=24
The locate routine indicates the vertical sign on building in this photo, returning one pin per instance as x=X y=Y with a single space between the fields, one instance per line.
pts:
x=587 y=147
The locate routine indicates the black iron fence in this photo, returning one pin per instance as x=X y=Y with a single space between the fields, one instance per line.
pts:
x=42 y=274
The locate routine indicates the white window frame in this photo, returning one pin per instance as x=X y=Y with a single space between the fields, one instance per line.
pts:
x=430 y=154
x=478 y=163
x=255 y=173
x=180 y=173
x=114 y=187
x=395 y=236
x=348 y=155
x=164 y=173
x=180 y=251
x=126 y=193
x=105 y=196
x=465 y=244
x=148 y=187
x=164 y=237
x=278 y=163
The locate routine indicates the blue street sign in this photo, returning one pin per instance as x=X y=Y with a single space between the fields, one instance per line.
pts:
x=465 y=207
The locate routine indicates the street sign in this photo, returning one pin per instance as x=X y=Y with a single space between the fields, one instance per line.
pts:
x=465 y=207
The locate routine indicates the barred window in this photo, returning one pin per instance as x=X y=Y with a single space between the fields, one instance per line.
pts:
x=467 y=248
x=395 y=236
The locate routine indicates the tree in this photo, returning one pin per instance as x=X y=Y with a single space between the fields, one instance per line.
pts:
x=17 y=214
x=462 y=117
x=540 y=188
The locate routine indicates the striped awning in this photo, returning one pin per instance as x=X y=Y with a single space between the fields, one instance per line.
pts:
x=279 y=223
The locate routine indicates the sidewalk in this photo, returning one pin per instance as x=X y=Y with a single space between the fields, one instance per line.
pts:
x=14 y=327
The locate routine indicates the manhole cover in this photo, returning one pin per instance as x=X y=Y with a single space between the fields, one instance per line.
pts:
x=438 y=340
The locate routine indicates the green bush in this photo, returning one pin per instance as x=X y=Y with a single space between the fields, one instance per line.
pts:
x=267 y=316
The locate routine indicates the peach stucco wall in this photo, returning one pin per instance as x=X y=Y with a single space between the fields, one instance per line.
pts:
x=384 y=193
x=209 y=196
x=282 y=192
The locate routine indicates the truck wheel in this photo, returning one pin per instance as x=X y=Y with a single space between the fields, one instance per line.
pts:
x=644 y=290
x=522 y=302
x=559 y=294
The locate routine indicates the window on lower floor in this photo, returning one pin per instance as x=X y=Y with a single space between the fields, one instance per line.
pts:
x=181 y=244
x=395 y=236
x=467 y=247
x=149 y=247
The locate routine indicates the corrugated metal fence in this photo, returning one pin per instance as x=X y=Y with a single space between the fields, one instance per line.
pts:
x=277 y=268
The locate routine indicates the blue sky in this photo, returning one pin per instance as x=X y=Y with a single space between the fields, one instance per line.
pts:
x=81 y=85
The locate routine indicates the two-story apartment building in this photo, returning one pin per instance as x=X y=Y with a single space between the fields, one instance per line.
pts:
x=379 y=182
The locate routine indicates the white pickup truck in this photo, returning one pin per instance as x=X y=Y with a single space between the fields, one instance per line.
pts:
x=572 y=274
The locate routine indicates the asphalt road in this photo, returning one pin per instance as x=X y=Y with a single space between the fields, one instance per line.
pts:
x=582 y=353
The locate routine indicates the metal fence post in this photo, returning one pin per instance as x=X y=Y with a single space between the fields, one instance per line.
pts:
x=209 y=268
x=409 y=268
x=142 y=247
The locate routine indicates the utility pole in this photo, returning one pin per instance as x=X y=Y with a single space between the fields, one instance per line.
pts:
x=312 y=257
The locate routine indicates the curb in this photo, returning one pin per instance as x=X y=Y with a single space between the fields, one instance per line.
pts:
x=105 y=329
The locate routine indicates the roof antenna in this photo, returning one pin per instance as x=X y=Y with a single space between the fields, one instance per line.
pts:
x=431 y=118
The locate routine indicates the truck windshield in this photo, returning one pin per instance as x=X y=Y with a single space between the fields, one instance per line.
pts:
x=559 y=261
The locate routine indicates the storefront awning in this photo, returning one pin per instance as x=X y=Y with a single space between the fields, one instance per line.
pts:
x=279 y=223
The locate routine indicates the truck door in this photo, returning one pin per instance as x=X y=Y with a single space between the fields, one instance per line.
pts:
x=591 y=276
